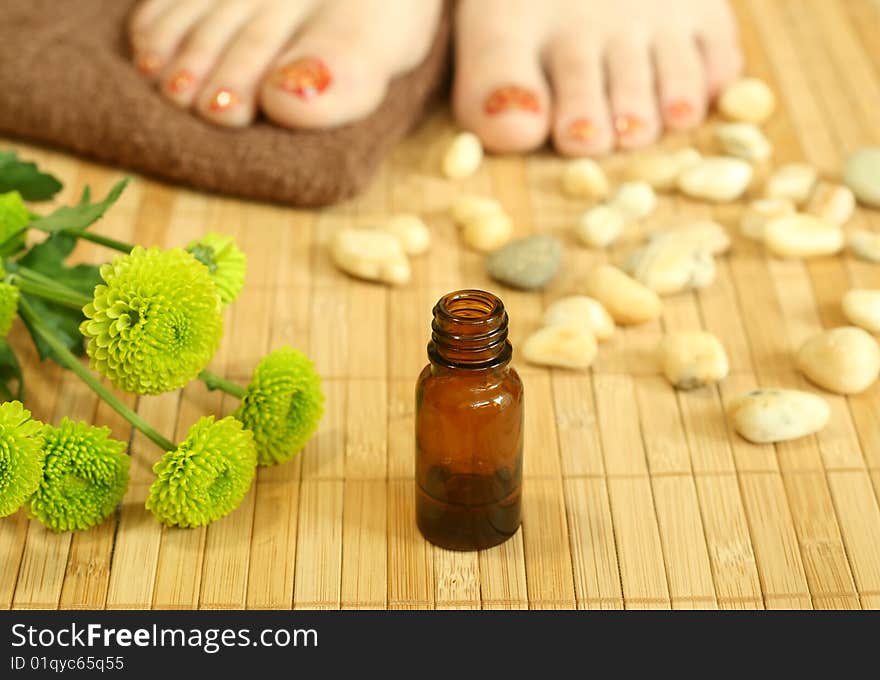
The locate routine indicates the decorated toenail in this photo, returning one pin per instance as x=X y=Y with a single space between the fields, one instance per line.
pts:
x=148 y=63
x=511 y=98
x=680 y=108
x=223 y=100
x=180 y=81
x=306 y=78
x=628 y=124
x=582 y=130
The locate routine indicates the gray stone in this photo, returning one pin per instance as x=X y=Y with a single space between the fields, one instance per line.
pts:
x=526 y=263
x=862 y=174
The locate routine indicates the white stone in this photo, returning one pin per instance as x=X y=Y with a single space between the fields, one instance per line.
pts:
x=411 y=231
x=463 y=157
x=865 y=244
x=707 y=235
x=634 y=199
x=627 y=300
x=743 y=140
x=861 y=306
x=794 y=181
x=802 y=235
x=581 y=311
x=772 y=415
x=600 y=226
x=661 y=169
x=668 y=266
x=692 y=359
x=845 y=360
x=487 y=232
x=749 y=100
x=562 y=346
x=861 y=172
x=833 y=202
x=759 y=212
x=584 y=178
x=370 y=254
x=716 y=178
x=467 y=207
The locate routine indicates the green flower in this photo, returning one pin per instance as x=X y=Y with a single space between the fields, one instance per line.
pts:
x=283 y=405
x=21 y=456
x=206 y=477
x=14 y=217
x=8 y=304
x=224 y=261
x=85 y=476
x=157 y=322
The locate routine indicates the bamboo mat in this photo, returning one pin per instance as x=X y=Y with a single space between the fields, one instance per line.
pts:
x=635 y=496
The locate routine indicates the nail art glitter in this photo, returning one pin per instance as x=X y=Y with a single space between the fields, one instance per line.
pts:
x=148 y=63
x=511 y=98
x=680 y=108
x=628 y=124
x=582 y=129
x=180 y=82
x=223 y=100
x=305 y=78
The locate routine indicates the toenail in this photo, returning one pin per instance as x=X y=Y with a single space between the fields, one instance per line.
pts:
x=148 y=63
x=511 y=98
x=628 y=124
x=306 y=78
x=180 y=81
x=582 y=130
x=680 y=108
x=223 y=100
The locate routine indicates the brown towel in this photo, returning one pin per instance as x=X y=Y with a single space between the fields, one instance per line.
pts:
x=66 y=79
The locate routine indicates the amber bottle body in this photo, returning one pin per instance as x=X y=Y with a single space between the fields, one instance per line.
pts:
x=469 y=427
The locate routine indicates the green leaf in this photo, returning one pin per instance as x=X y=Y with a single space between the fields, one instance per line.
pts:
x=80 y=215
x=25 y=178
x=62 y=321
x=11 y=377
x=14 y=218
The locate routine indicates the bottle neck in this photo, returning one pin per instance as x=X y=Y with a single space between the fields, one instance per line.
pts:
x=469 y=331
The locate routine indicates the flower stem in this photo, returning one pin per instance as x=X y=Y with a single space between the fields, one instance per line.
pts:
x=105 y=241
x=215 y=382
x=68 y=360
x=52 y=293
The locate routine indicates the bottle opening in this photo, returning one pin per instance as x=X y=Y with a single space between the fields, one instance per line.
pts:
x=469 y=331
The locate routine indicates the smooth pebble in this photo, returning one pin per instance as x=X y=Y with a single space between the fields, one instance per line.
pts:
x=845 y=360
x=668 y=266
x=581 y=311
x=861 y=306
x=865 y=244
x=833 y=202
x=707 y=235
x=716 y=178
x=634 y=199
x=794 y=181
x=861 y=172
x=749 y=100
x=527 y=263
x=600 y=226
x=468 y=207
x=759 y=212
x=764 y=416
x=584 y=178
x=692 y=359
x=661 y=169
x=371 y=254
x=562 y=346
x=802 y=235
x=487 y=232
x=744 y=140
x=627 y=300
x=463 y=157
x=411 y=231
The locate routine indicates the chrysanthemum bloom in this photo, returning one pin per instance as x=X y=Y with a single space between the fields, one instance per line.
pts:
x=283 y=405
x=224 y=261
x=21 y=456
x=85 y=475
x=206 y=477
x=8 y=305
x=156 y=323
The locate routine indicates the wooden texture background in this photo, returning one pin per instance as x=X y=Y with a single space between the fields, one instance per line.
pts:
x=635 y=496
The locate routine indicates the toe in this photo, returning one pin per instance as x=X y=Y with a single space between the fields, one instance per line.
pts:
x=632 y=93
x=720 y=47
x=500 y=92
x=155 y=44
x=681 y=81
x=582 y=122
x=339 y=67
x=229 y=94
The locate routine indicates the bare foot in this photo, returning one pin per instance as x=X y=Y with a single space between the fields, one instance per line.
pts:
x=304 y=63
x=591 y=74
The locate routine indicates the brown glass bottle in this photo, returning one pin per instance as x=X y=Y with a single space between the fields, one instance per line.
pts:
x=469 y=426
